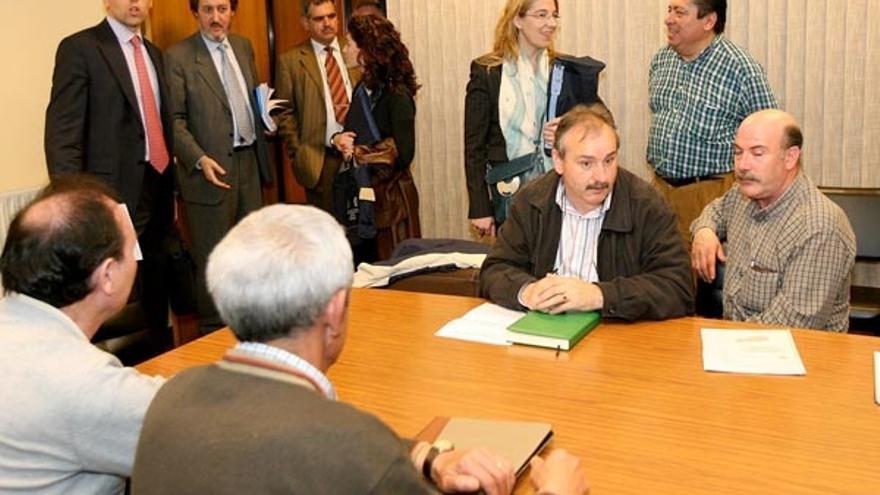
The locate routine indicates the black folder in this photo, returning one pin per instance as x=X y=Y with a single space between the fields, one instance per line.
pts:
x=360 y=118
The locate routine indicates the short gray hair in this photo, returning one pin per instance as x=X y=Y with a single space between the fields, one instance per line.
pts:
x=275 y=272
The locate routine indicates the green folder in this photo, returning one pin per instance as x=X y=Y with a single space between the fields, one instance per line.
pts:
x=560 y=331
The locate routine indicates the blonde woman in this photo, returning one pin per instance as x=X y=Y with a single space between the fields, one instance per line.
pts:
x=505 y=110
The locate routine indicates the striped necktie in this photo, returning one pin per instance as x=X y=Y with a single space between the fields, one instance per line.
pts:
x=239 y=105
x=155 y=139
x=337 y=86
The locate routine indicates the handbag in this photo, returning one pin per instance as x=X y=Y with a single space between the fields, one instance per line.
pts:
x=506 y=178
x=354 y=210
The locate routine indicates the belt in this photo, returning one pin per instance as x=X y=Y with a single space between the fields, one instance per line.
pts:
x=243 y=147
x=330 y=150
x=690 y=180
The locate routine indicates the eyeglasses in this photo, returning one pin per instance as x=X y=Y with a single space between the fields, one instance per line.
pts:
x=543 y=15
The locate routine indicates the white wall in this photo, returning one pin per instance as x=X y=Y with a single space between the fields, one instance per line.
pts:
x=30 y=34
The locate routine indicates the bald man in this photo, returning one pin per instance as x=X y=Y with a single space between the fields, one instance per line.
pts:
x=790 y=249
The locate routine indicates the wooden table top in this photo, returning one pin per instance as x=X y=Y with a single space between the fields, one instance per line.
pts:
x=631 y=399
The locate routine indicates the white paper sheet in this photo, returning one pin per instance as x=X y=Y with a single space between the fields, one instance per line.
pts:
x=877 y=377
x=769 y=352
x=487 y=323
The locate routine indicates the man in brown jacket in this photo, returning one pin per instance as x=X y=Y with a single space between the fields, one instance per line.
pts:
x=590 y=236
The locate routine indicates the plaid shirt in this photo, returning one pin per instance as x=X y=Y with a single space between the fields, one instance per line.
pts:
x=280 y=356
x=787 y=264
x=697 y=107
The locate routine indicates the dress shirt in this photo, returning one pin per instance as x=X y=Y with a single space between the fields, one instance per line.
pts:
x=71 y=414
x=698 y=105
x=579 y=238
x=284 y=358
x=123 y=34
x=787 y=264
x=522 y=106
x=332 y=126
x=217 y=58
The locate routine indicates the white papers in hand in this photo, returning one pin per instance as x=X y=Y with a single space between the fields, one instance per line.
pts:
x=769 y=352
x=487 y=323
x=266 y=104
x=877 y=377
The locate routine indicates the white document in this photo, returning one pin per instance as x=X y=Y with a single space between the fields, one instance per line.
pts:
x=768 y=352
x=487 y=323
x=267 y=105
x=877 y=377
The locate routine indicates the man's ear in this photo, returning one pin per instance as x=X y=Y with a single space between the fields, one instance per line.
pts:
x=335 y=314
x=792 y=155
x=102 y=278
x=557 y=161
x=709 y=21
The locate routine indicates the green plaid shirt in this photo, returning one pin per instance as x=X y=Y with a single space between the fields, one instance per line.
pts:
x=788 y=264
x=697 y=107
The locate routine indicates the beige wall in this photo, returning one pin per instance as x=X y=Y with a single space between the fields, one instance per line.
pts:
x=31 y=32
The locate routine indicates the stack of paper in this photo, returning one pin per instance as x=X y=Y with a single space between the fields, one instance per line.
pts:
x=487 y=323
x=877 y=377
x=770 y=352
x=266 y=104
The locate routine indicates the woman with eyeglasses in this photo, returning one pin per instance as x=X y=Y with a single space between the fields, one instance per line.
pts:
x=505 y=110
x=373 y=44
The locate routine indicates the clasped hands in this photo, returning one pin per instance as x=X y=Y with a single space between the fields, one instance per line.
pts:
x=469 y=470
x=344 y=142
x=556 y=294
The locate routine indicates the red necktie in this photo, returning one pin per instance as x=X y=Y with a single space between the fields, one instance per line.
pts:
x=337 y=86
x=155 y=138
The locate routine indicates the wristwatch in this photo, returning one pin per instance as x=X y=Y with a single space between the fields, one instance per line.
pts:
x=437 y=448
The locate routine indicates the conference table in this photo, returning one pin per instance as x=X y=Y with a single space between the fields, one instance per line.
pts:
x=631 y=399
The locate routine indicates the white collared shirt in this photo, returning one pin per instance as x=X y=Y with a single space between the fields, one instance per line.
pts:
x=123 y=35
x=280 y=356
x=579 y=240
x=216 y=57
x=332 y=126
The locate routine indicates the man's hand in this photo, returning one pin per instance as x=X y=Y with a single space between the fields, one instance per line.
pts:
x=549 y=131
x=344 y=142
x=485 y=226
x=469 y=470
x=559 y=474
x=212 y=170
x=554 y=294
x=704 y=251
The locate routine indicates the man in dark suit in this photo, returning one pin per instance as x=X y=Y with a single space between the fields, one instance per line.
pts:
x=219 y=136
x=108 y=117
x=317 y=112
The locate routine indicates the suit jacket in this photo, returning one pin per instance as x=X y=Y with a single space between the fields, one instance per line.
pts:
x=93 y=121
x=483 y=140
x=202 y=117
x=643 y=265
x=304 y=128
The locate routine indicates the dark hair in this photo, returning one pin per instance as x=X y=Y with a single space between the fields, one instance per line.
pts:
x=791 y=137
x=194 y=5
x=384 y=57
x=706 y=7
x=51 y=258
x=307 y=5
x=589 y=117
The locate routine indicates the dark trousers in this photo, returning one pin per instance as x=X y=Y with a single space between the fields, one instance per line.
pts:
x=209 y=223
x=153 y=220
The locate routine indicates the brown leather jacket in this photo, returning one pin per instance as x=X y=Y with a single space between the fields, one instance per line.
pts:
x=643 y=266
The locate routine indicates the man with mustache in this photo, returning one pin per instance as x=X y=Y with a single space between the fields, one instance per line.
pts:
x=790 y=249
x=219 y=135
x=313 y=78
x=701 y=86
x=589 y=235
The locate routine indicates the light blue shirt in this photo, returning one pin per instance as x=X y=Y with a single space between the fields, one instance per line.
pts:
x=280 y=356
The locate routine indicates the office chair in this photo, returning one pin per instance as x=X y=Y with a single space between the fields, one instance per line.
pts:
x=862 y=207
